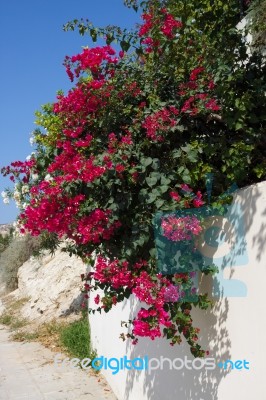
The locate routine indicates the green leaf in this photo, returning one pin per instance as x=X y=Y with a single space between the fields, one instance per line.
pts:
x=82 y=30
x=159 y=203
x=146 y=161
x=109 y=39
x=156 y=164
x=164 y=188
x=156 y=175
x=239 y=125
x=193 y=156
x=165 y=180
x=93 y=34
x=151 y=181
x=153 y=196
x=153 y=252
x=124 y=45
x=176 y=153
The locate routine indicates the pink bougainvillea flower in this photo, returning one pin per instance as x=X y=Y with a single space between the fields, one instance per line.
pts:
x=171 y=293
x=186 y=188
x=180 y=228
x=97 y=299
x=175 y=196
x=197 y=201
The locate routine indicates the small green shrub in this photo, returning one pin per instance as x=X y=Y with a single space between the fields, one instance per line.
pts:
x=12 y=321
x=6 y=319
x=76 y=339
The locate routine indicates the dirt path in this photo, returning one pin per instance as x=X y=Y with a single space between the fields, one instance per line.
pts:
x=27 y=372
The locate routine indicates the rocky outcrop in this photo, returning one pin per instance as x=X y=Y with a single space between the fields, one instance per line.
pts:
x=5 y=229
x=52 y=285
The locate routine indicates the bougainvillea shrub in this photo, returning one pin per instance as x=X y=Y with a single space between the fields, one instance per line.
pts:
x=137 y=134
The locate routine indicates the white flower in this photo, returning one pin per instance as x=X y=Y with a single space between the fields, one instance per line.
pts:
x=4 y=194
x=16 y=195
x=32 y=141
x=34 y=177
x=48 y=178
x=17 y=225
x=29 y=157
x=6 y=200
x=25 y=189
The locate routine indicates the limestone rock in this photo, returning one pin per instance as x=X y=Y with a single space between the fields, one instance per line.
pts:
x=52 y=285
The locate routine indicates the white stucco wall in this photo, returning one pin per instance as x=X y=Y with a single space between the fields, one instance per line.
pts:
x=234 y=329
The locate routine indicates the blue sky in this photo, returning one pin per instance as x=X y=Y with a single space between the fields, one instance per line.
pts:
x=33 y=46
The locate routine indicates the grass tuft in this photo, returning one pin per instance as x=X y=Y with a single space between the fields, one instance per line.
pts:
x=75 y=338
x=11 y=321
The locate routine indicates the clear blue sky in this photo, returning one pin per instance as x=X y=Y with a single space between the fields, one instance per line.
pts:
x=33 y=46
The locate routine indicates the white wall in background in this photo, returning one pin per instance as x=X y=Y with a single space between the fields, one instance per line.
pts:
x=234 y=329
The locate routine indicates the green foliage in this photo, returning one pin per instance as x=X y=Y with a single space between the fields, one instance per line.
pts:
x=6 y=319
x=256 y=24
x=111 y=33
x=75 y=338
x=11 y=321
x=178 y=105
